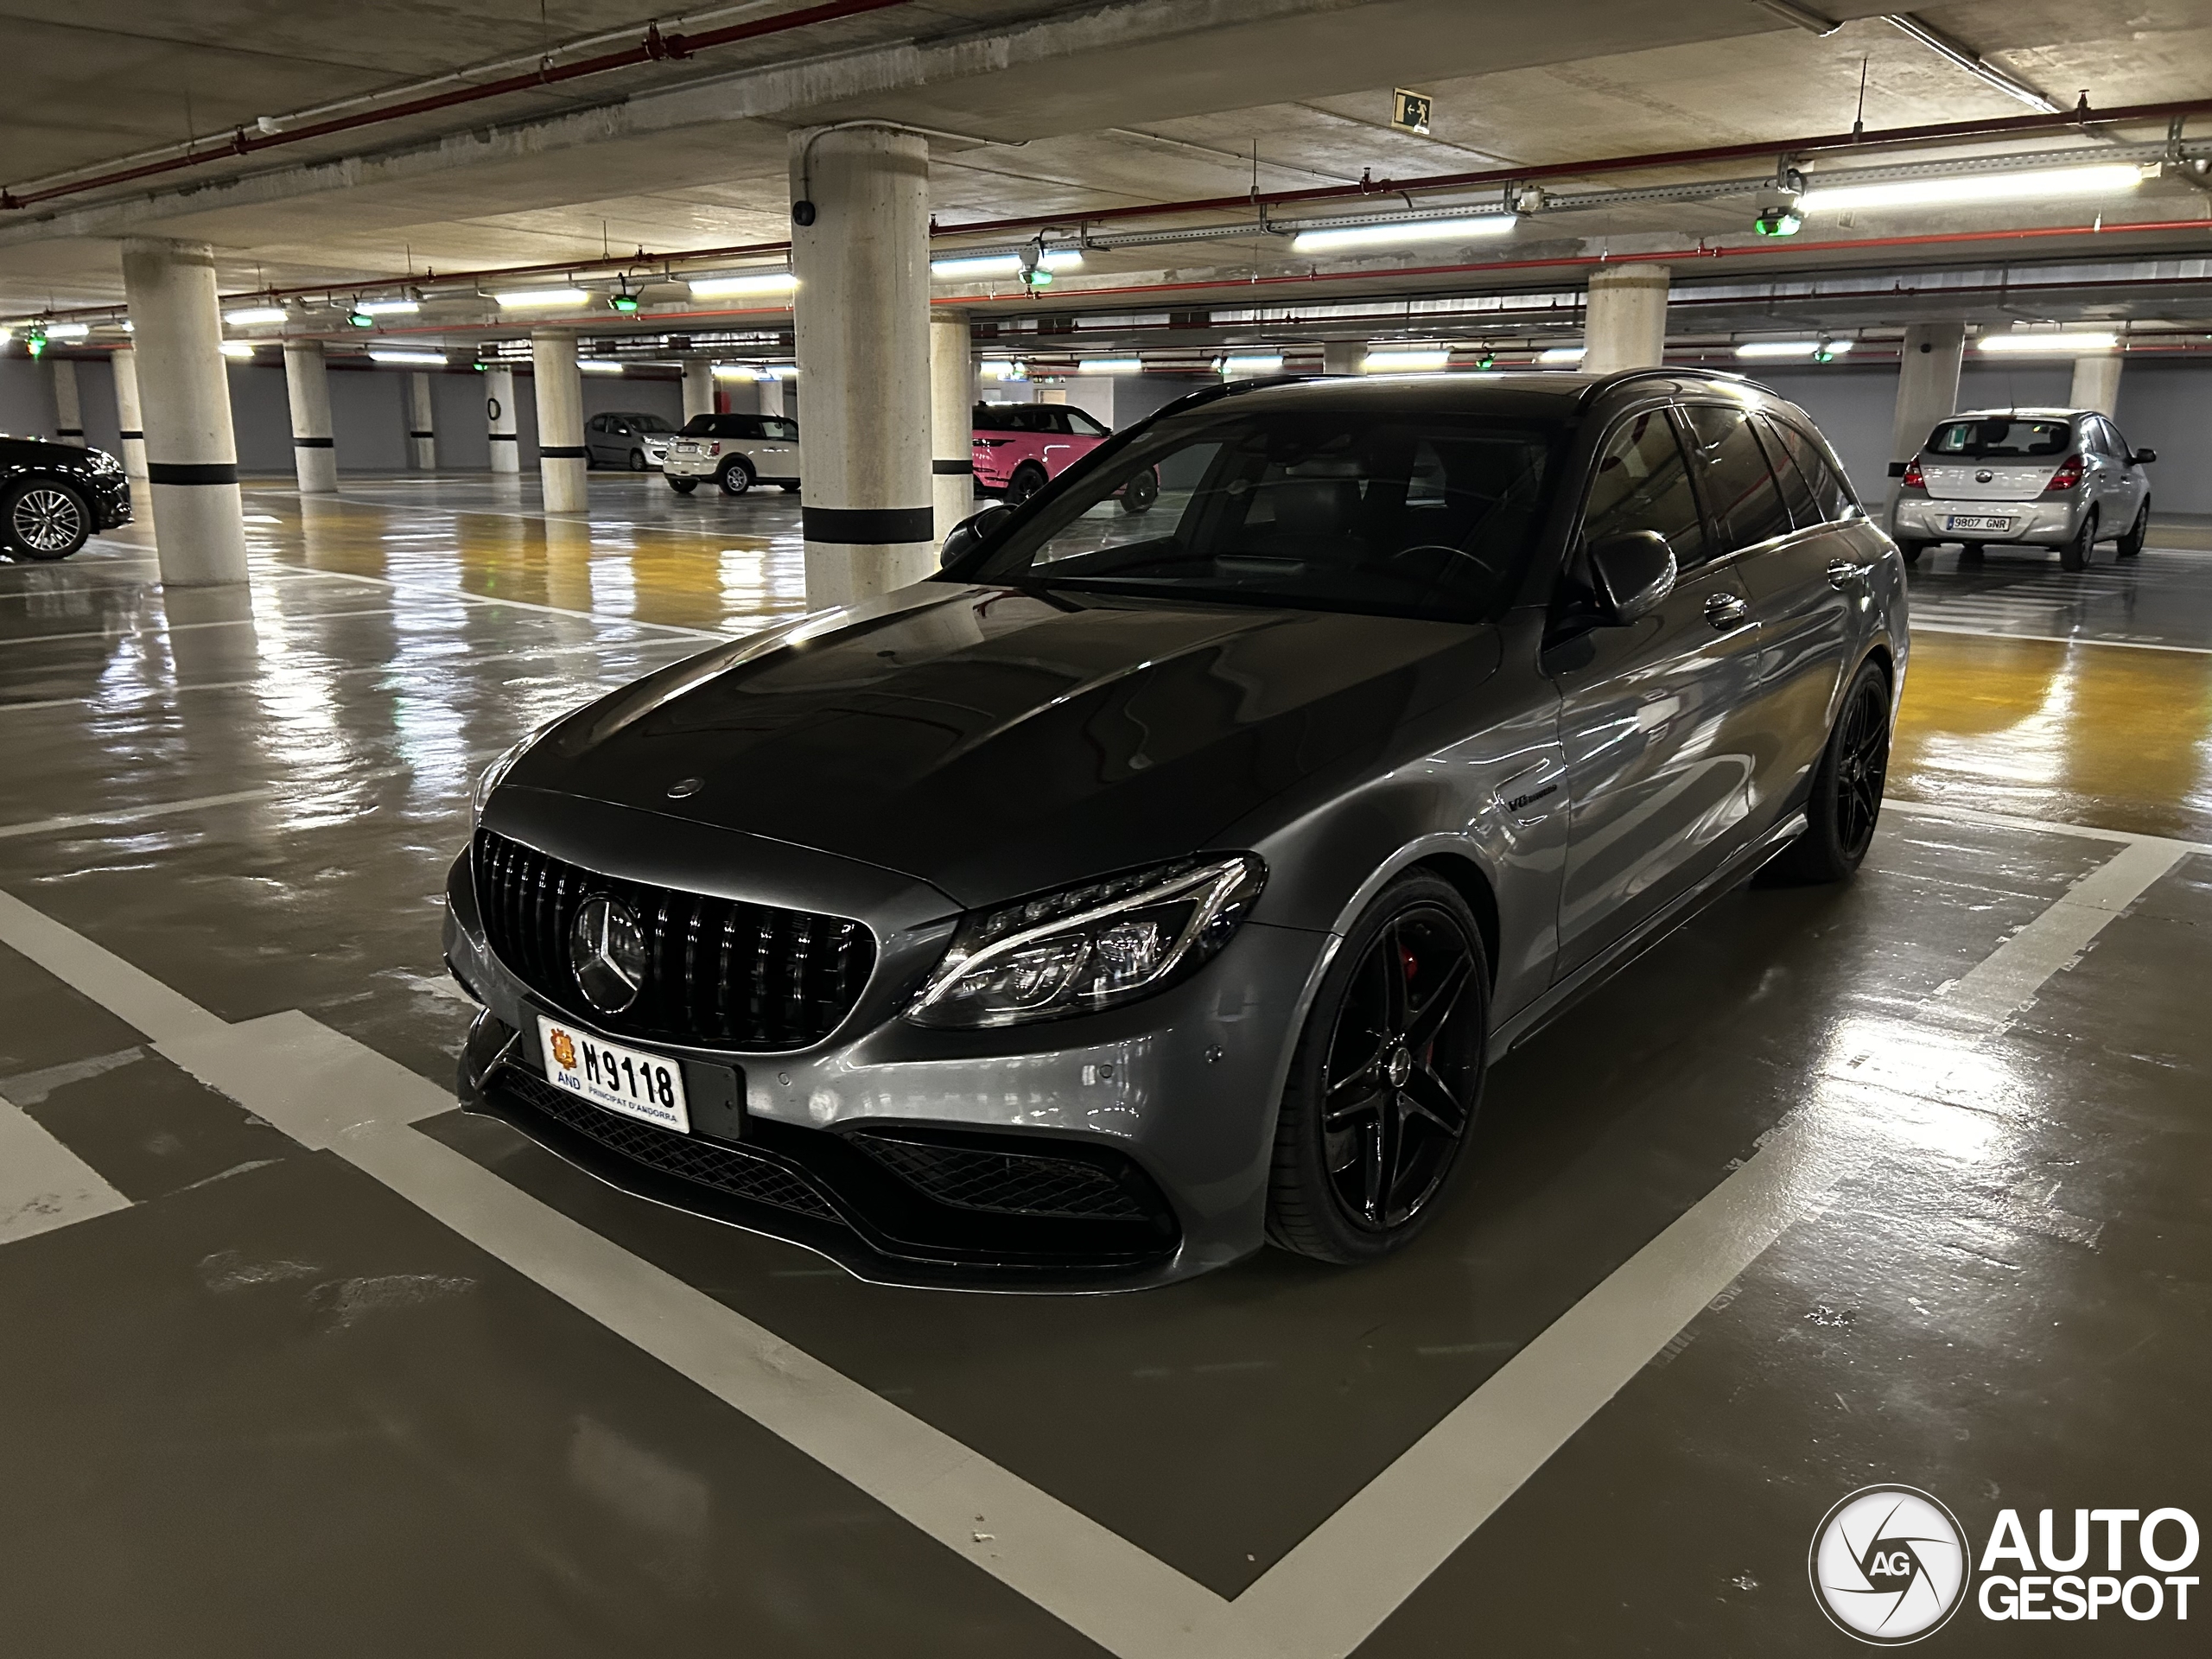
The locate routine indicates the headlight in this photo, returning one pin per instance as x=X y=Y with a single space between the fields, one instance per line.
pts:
x=489 y=779
x=1091 y=947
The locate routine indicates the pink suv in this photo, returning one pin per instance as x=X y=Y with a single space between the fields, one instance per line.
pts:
x=1019 y=447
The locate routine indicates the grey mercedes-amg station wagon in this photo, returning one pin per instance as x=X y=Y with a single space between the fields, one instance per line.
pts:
x=1160 y=880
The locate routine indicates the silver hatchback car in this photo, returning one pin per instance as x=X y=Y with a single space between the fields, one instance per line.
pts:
x=2061 y=478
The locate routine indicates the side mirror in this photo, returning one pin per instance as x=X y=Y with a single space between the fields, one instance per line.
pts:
x=971 y=533
x=1896 y=468
x=2144 y=457
x=1633 y=573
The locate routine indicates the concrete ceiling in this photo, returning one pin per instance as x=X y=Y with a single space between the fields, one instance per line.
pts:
x=1087 y=107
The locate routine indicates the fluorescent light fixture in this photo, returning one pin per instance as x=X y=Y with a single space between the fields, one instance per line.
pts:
x=1249 y=363
x=967 y=267
x=1404 y=362
x=389 y=307
x=1778 y=348
x=744 y=282
x=999 y=369
x=735 y=372
x=431 y=360
x=2069 y=341
x=247 y=316
x=1419 y=230
x=239 y=348
x=68 y=330
x=1111 y=365
x=2043 y=183
x=1558 y=355
x=520 y=298
x=598 y=365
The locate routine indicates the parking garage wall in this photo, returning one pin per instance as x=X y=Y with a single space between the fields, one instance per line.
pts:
x=27 y=398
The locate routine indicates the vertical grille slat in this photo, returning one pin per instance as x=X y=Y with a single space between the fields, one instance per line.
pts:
x=720 y=973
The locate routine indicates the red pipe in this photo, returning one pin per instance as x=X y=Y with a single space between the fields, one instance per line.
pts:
x=652 y=48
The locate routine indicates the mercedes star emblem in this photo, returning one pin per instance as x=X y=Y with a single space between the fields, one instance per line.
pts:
x=607 y=948
x=685 y=786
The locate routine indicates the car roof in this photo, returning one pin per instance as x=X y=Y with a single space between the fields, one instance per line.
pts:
x=1542 y=393
x=2030 y=414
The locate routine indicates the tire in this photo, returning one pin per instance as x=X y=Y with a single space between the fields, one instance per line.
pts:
x=683 y=485
x=637 y=460
x=1409 y=991
x=44 y=518
x=1027 y=480
x=735 y=478
x=1912 y=551
x=1846 y=802
x=1141 y=491
x=2076 y=555
x=2131 y=545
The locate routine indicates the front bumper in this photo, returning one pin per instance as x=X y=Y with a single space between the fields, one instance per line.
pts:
x=2044 y=520
x=915 y=1157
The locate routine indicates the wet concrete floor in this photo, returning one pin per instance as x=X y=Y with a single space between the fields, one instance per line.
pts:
x=258 y=1401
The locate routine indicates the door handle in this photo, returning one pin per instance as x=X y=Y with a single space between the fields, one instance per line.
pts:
x=1843 y=574
x=1726 y=611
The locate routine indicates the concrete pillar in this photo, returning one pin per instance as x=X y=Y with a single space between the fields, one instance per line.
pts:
x=561 y=453
x=1342 y=356
x=698 y=387
x=1927 y=390
x=863 y=318
x=2096 y=382
x=952 y=420
x=499 y=420
x=421 y=425
x=192 y=460
x=307 y=385
x=1625 y=326
x=123 y=361
x=68 y=408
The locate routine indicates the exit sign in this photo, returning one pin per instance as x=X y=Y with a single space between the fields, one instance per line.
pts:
x=1409 y=111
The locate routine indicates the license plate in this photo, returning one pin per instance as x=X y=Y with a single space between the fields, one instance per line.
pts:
x=648 y=1087
x=1975 y=521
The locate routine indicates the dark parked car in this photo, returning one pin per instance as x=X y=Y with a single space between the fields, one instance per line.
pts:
x=55 y=495
x=1153 y=884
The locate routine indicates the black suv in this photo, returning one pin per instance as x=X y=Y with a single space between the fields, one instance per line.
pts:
x=55 y=495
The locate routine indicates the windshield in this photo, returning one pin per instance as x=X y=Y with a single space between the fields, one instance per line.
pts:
x=2003 y=438
x=1434 y=516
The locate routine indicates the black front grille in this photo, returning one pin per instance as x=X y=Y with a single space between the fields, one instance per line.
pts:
x=720 y=973
x=687 y=1156
x=1008 y=1183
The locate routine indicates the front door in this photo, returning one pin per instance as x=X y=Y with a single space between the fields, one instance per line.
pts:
x=1654 y=717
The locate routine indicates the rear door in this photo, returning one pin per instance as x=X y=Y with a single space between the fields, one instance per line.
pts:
x=1058 y=435
x=1651 y=714
x=2117 y=485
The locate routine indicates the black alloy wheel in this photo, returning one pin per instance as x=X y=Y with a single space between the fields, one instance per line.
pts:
x=1386 y=1079
x=2131 y=545
x=1027 y=480
x=1141 y=491
x=735 y=478
x=683 y=485
x=44 y=519
x=637 y=460
x=1846 y=802
x=2076 y=554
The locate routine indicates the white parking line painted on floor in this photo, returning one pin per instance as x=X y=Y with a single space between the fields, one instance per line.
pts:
x=1324 y=1598
x=291 y=573
x=1919 y=626
x=265 y=618
x=2046 y=826
x=133 y=814
x=43 y=1185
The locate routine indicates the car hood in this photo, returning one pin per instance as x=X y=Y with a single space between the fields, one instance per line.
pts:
x=991 y=741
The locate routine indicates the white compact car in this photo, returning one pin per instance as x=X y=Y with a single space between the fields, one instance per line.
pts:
x=736 y=451
x=2061 y=478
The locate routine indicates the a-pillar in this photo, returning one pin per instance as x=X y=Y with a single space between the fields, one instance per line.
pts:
x=952 y=420
x=421 y=424
x=561 y=453
x=307 y=385
x=2096 y=383
x=863 y=306
x=698 y=387
x=68 y=408
x=499 y=420
x=1625 y=326
x=1342 y=356
x=192 y=461
x=1927 y=390
x=122 y=361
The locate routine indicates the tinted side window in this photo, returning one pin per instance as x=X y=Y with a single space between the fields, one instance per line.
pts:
x=1796 y=491
x=1732 y=477
x=1829 y=487
x=1084 y=425
x=780 y=431
x=1642 y=482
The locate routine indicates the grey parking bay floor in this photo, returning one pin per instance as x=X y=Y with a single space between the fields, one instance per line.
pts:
x=1905 y=1183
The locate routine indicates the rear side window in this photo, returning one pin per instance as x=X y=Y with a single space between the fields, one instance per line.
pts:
x=1732 y=477
x=1831 y=491
x=1643 y=482
x=722 y=426
x=778 y=430
x=1796 y=491
x=2003 y=437
x=1083 y=425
